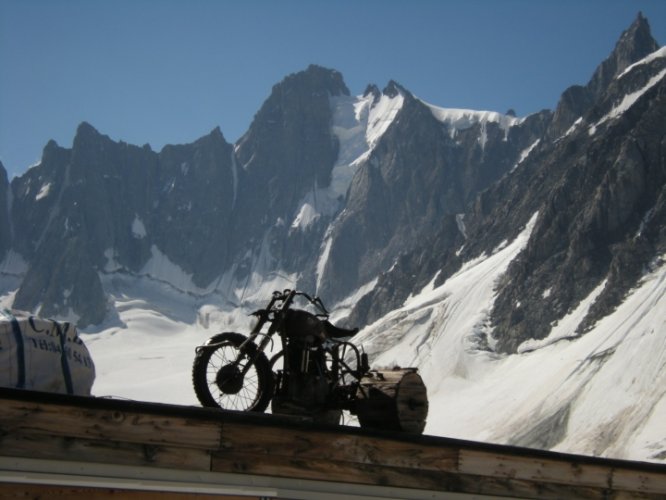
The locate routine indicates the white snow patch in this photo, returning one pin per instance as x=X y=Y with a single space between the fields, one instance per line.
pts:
x=138 y=228
x=314 y=204
x=525 y=153
x=661 y=52
x=573 y=127
x=358 y=124
x=460 y=222
x=461 y=119
x=628 y=101
x=43 y=191
x=323 y=258
x=305 y=217
x=159 y=267
x=345 y=306
x=111 y=265
x=381 y=116
x=350 y=123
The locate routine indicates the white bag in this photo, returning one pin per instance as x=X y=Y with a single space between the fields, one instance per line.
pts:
x=43 y=355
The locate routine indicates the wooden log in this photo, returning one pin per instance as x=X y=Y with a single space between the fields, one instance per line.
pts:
x=392 y=400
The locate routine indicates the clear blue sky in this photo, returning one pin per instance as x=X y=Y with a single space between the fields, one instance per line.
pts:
x=169 y=71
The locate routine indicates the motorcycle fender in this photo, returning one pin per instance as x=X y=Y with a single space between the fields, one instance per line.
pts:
x=213 y=342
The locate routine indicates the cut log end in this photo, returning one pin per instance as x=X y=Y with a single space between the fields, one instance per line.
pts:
x=392 y=400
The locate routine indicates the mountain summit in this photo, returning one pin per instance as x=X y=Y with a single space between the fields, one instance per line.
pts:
x=635 y=43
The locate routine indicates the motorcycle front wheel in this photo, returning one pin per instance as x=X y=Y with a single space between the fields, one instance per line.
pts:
x=217 y=374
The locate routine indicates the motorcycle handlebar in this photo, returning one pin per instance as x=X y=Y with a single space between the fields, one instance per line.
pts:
x=287 y=293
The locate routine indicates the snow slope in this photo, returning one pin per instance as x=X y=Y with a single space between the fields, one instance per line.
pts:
x=603 y=393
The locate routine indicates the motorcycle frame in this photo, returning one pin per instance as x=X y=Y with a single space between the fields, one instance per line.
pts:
x=343 y=394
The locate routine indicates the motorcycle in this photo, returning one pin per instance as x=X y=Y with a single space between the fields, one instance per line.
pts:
x=321 y=372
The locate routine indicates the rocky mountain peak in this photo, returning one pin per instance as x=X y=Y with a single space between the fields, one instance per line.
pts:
x=217 y=133
x=88 y=141
x=634 y=44
x=290 y=147
x=393 y=88
x=85 y=130
x=214 y=137
x=316 y=79
x=372 y=90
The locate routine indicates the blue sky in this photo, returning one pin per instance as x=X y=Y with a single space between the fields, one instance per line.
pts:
x=169 y=71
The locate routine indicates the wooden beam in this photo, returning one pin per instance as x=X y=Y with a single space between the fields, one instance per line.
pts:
x=121 y=424
x=125 y=433
x=109 y=451
x=57 y=492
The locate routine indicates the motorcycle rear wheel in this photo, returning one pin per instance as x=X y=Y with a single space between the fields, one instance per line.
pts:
x=218 y=381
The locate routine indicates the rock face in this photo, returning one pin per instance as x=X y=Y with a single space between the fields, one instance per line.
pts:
x=5 y=228
x=381 y=192
x=284 y=160
x=424 y=171
x=599 y=219
x=598 y=188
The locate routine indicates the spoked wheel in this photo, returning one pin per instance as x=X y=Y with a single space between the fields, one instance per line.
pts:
x=218 y=377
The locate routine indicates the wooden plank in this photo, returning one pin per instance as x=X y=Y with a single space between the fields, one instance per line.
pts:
x=306 y=444
x=56 y=492
x=639 y=481
x=40 y=446
x=398 y=477
x=571 y=472
x=149 y=434
x=372 y=460
x=116 y=425
x=539 y=469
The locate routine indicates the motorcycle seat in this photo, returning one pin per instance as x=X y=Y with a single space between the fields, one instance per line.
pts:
x=335 y=332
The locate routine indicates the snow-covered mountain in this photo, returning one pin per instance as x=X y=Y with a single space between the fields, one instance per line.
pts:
x=520 y=263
